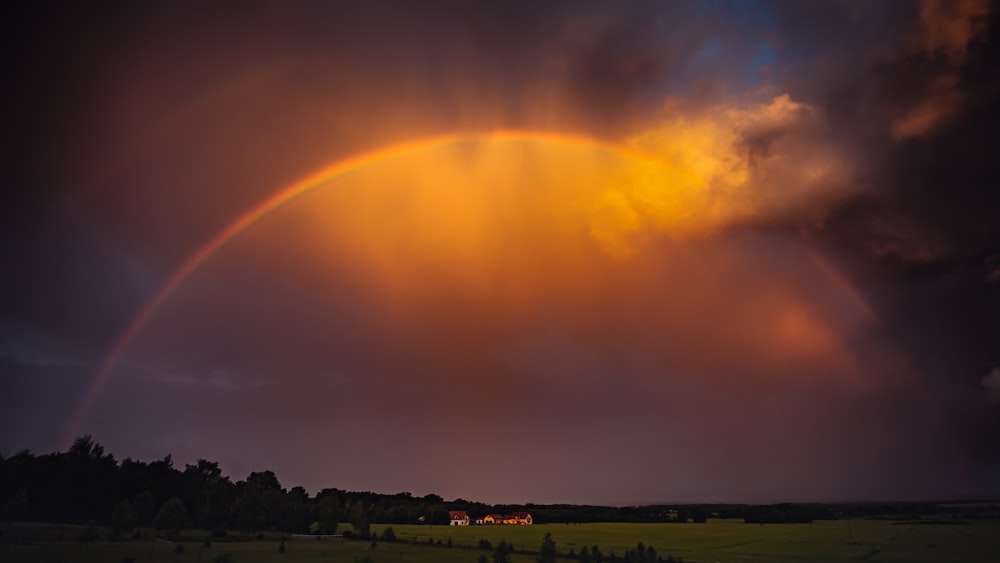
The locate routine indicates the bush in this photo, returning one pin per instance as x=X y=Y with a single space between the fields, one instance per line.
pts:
x=224 y=558
x=389 y=535
x=179 y=548
x=485 y=544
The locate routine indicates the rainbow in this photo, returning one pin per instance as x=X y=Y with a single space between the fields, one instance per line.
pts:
x=282 y=197
x=339 y=168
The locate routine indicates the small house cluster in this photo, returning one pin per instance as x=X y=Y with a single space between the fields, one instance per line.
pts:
x=461 y=518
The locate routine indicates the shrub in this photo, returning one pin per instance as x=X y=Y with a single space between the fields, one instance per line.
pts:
x=389 y=535
x=223 y=558
x=485 y=544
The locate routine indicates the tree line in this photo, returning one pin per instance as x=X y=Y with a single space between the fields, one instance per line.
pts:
x=87 y=485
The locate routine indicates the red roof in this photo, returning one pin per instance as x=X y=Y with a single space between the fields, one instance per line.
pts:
x=457 y=514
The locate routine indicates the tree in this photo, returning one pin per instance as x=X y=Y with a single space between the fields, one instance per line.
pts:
x=502 y=553
x=359 y=518
x=264 y=481
x=142 y=508
x=584 y=556
x=220 y=497
x=249 y=510
x=84 y=447
x=122 y=519
x=328 y=513
x=641 y=554
x=547 y=553
x=172 y=516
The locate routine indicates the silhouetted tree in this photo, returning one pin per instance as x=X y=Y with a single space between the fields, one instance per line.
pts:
x=172 y=516
x=641 y=554
x=547 y=552
x=502 y=553
x=359 y=518
x=249 y=510
x=584 y=555
x=142 y=508
x=328 y=513
x=122 y=519
x=292 y=517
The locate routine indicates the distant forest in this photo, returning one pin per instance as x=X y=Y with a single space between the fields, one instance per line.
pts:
x=85 y=485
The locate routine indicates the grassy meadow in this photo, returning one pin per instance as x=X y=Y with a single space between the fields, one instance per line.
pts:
x=717 y=541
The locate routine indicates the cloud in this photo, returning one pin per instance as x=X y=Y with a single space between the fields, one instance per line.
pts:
x=947 y=29
x=714 y=167
x=948 y=26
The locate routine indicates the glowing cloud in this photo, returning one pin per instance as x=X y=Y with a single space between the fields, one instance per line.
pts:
x=721 y=166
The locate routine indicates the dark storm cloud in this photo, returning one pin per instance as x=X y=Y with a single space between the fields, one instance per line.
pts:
x=133 y=133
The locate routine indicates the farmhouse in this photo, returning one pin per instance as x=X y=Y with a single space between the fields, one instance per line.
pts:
x=493 y=519
x=517 y=518
x=459 y=517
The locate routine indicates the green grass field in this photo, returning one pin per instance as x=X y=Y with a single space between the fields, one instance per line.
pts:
x=718 y=541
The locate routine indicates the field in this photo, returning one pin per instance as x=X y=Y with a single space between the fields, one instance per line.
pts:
x=718 y=541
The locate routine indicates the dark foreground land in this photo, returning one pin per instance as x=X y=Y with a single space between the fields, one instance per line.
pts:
x=880 y=540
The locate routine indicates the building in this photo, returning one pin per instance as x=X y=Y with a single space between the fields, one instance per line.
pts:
x=493 y=519
x=517 y=518
x=459 y=517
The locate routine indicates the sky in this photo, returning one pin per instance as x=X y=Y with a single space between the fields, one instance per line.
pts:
x=581 y=252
